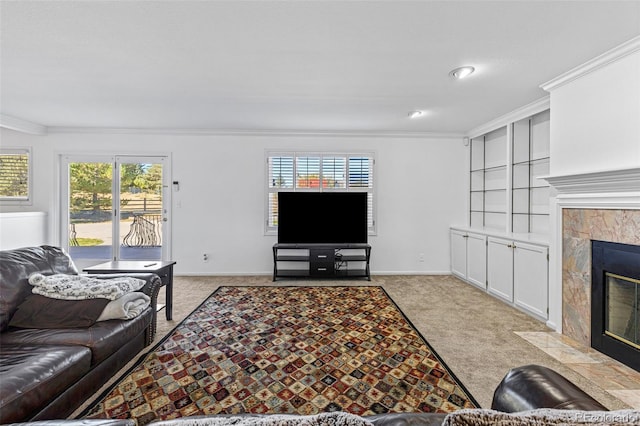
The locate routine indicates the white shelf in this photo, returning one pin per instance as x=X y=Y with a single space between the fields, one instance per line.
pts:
x=530 y=161
x=507 y=166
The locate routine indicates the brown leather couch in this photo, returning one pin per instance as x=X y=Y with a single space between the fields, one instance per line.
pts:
x=524 y=388
x=45 y=373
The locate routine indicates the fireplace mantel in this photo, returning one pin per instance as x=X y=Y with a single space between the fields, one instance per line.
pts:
x=616 y=191
x=601 y=182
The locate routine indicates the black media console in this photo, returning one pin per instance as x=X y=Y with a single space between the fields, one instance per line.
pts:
x=321 y=261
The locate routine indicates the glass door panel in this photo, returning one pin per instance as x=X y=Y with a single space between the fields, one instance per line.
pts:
x=141 y=209
x=90 y=207
x=97 y=190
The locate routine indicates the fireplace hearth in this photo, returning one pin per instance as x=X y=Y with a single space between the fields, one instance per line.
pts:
x=615 y=301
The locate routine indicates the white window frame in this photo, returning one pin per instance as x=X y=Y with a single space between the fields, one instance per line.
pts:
x=20 y=200
x=273 y=229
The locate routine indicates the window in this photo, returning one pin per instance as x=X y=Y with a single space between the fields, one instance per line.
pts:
x=15 y=174
x=304 y=171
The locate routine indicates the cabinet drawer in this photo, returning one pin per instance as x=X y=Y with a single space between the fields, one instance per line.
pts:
x=322 y=255
x=320 y=269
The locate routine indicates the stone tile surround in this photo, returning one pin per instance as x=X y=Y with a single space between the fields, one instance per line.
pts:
x=612 y=376
x=579 y=227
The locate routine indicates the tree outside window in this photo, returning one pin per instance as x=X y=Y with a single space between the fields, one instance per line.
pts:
x=14 y=174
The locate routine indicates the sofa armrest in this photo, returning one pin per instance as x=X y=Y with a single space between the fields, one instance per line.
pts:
x=533 y=386
x=151 y=288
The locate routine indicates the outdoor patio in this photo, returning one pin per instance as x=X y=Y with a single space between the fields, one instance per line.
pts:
x=138 y=240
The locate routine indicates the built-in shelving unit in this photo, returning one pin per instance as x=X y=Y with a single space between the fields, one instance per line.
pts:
x=504 y=247
x=530 y=161
x=488 y=197
x=506 y=193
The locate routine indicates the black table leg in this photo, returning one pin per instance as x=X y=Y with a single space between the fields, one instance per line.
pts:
x=169 y=294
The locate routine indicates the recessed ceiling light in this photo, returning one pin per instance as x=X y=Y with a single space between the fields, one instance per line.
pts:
x=462 y=72
x=416 y=114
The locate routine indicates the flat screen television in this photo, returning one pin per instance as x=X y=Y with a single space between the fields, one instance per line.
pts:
x=322 y=217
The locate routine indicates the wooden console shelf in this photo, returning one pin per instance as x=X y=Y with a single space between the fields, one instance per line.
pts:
x=321 y=261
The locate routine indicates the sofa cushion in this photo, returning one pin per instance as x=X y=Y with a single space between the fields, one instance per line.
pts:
x=15 y=268
x=44 y=312
x=40 y=374
x=102 y=338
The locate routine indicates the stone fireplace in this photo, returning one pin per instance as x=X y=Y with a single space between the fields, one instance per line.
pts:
x=586 y=212
x=615 y=301
x=580 y=227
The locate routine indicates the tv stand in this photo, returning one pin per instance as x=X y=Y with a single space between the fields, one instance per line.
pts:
x=321 y=261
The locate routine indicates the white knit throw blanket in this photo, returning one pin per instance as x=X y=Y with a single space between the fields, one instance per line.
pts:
x=542 y=417
x=126 y=307
x=325 y=419
x=83 y=287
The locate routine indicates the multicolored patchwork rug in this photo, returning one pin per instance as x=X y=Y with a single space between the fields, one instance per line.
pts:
x=297 y=350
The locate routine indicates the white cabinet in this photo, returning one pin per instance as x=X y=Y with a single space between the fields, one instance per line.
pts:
x=517 y=272
x=531 y=278
x=477 y=260
x=459 y=254
x=500 y=268
x=469 y=257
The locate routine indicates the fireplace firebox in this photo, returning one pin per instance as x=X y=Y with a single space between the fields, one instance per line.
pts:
x=615 y=301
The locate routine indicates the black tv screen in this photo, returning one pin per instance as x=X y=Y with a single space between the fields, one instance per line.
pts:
x=322 y=217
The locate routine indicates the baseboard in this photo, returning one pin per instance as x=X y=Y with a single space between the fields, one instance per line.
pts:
x=270 y=273
x=411 y=273
x=224 y=274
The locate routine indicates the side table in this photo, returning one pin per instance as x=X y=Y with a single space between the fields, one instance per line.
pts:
x=164 y=269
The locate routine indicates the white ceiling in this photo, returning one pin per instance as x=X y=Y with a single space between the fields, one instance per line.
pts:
x=311 y=66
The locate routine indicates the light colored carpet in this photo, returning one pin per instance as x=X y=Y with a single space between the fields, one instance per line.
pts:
x=473 y=332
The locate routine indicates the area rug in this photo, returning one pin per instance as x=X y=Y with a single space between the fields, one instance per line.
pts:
x=295 y=350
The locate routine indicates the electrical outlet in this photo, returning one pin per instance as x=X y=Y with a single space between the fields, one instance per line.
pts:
x=421 y=257
x=205 y=257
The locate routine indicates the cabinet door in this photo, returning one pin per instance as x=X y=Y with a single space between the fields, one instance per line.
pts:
x=500 y=268
x=459 y=253
x=477 y=260
x=530 y=278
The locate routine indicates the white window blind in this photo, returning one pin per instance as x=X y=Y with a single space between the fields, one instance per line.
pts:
x=305 y=171
x=15 y=174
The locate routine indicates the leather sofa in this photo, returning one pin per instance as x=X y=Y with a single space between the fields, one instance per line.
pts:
x=524 y=388
x=49 y=370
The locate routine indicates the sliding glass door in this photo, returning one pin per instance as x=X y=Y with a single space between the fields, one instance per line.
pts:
x=115 y=208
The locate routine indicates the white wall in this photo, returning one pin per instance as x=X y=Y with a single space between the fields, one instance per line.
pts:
x=595 y=127
x=22 y=229
x=595 y=120
x=420 y=184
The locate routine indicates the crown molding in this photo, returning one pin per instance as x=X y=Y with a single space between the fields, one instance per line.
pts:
x=260 y=132
x=625 y=49
x=21 y=125
x=528 y=110
x=600 y=182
